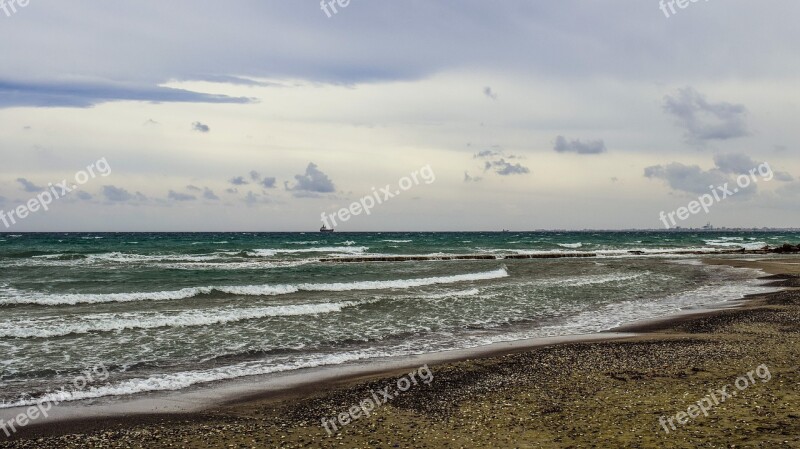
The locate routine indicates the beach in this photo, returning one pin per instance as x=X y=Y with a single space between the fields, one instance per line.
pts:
x=430 y=224
x=595 y=393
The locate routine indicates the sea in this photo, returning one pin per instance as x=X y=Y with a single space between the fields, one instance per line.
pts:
x=174 y=311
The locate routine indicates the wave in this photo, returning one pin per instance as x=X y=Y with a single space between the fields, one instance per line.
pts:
x=397 y=241
x=181 y=380
x=453 y=294
x=251 y=265
x=26 y=254
x=734 y=242
x=62 y=256
x=591 y=280
x=219 y=256
x=227 y=260
x=321 y=249
x=242 y=290
x=119 y=257
x=109 y=322
x=571 y=245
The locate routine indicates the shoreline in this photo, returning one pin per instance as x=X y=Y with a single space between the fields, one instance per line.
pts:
x=307 y=385
x=296 y=383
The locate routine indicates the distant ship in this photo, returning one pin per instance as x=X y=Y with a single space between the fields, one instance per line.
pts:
x=325 y=229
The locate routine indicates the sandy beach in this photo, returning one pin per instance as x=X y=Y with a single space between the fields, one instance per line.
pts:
x=431 y=224
x=596 y=393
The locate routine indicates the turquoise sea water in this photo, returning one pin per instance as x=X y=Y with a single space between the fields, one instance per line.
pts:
x=171 y=311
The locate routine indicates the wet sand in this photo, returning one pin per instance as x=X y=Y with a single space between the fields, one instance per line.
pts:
x=594 y=393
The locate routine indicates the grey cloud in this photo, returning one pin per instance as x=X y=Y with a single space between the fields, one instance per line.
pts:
x=500 y=166
x=504 y=168
x=209 y=194
x=229 y=79
x=252 y=198
x=489 y=93
x=232 y=190
x=487 y=153
x=576 y=146
x=517 y=36
x=686 y=178
x=468 y=178
x=741 y=164
x=54 y=93
x=542 y=39
x=85 y=196
x=238 y=181
x=704 y=120
x=118 y=194
x=693 y=179
x=200 y=127
x=313 y=180
x=177 y=196
x=113 y=193
x=268 y=182
x=29 y=186
x=735 y=163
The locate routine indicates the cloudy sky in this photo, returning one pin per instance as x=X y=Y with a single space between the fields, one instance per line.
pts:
x=260 y=115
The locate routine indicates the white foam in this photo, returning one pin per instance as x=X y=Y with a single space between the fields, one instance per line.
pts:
x=250 y=265
x=181 y=380
x=453 y=294
x=571 y=245
x=735 y=242
x=225 y=260
x=269 y=252
x=406 y=283
x=590 y=280
x=244 y=290
x=108 y=322
x=143 y=258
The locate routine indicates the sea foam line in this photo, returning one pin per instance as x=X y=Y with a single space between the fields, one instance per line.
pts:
x=109 y=322
x=181 y=380
x=244 y=290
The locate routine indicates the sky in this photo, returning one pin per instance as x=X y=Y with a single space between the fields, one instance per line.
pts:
x=260 y=115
